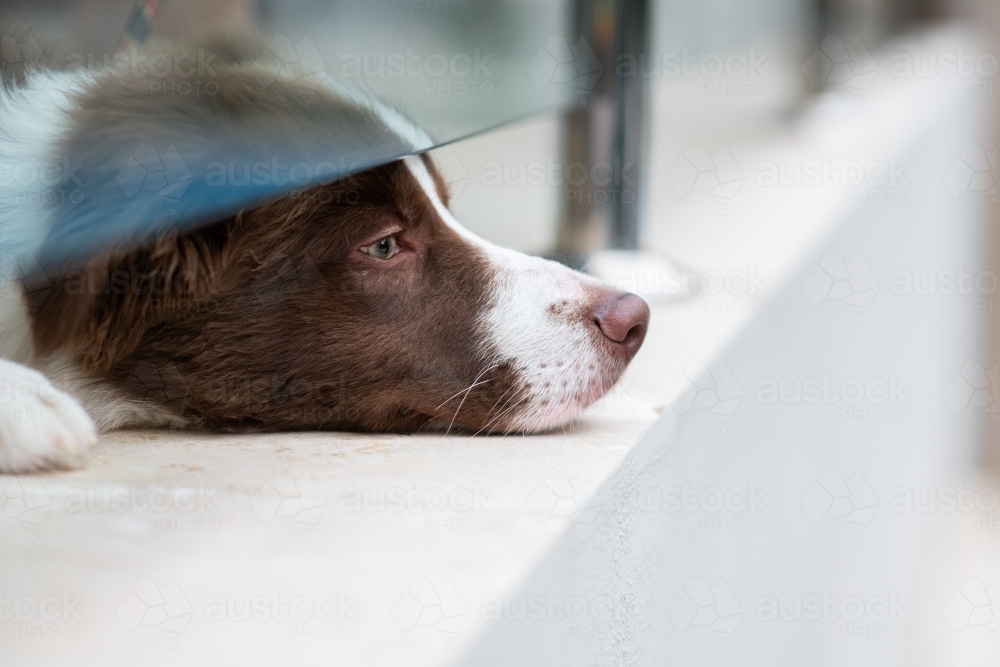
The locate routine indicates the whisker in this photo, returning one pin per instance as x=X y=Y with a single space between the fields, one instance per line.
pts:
x=475 y=383
x=500 y=416
x=501 y=399
x=429 y=420
x=460 y=391
x=504 y=410
x=505 y=403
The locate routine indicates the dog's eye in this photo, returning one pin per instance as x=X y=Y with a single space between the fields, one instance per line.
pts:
x=383 y=248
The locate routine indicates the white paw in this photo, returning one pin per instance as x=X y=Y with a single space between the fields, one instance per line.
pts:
x=40 y=426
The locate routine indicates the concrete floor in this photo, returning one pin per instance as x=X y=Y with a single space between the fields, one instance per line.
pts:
x=194 y=518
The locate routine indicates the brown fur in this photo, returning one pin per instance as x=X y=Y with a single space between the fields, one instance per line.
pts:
x=232 y=111
x=213 y=324
x=274 y=318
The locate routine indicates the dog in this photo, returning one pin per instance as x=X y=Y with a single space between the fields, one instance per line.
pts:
x=359 y=304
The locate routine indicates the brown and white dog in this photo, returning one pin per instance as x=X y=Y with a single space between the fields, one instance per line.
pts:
x=359 y=305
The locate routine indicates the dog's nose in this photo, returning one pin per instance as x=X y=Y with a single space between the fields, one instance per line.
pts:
x=623 y=318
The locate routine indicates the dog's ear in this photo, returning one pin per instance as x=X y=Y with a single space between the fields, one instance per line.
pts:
x=147 y=153
x=99 y=312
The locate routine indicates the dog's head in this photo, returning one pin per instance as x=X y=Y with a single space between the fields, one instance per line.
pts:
x=361 y=304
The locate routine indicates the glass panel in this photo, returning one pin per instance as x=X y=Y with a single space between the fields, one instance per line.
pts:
x=192 y=144
x=456 y=67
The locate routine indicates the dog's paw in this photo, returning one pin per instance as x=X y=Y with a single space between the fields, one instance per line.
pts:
x=40 y=426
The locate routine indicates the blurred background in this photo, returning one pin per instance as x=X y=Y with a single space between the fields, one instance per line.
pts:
x=708 y=72
x=759 y=163
x=562 y=83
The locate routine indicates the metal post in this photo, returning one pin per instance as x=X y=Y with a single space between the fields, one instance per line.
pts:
x=608 y=135
x=630 y=117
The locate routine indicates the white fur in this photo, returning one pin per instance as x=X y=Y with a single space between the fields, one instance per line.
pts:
x=48 y=424
x=40 y=426
x=44 y=419
x=399 y=124
x=522 y=332
x=30 y=118
x=110 y=407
